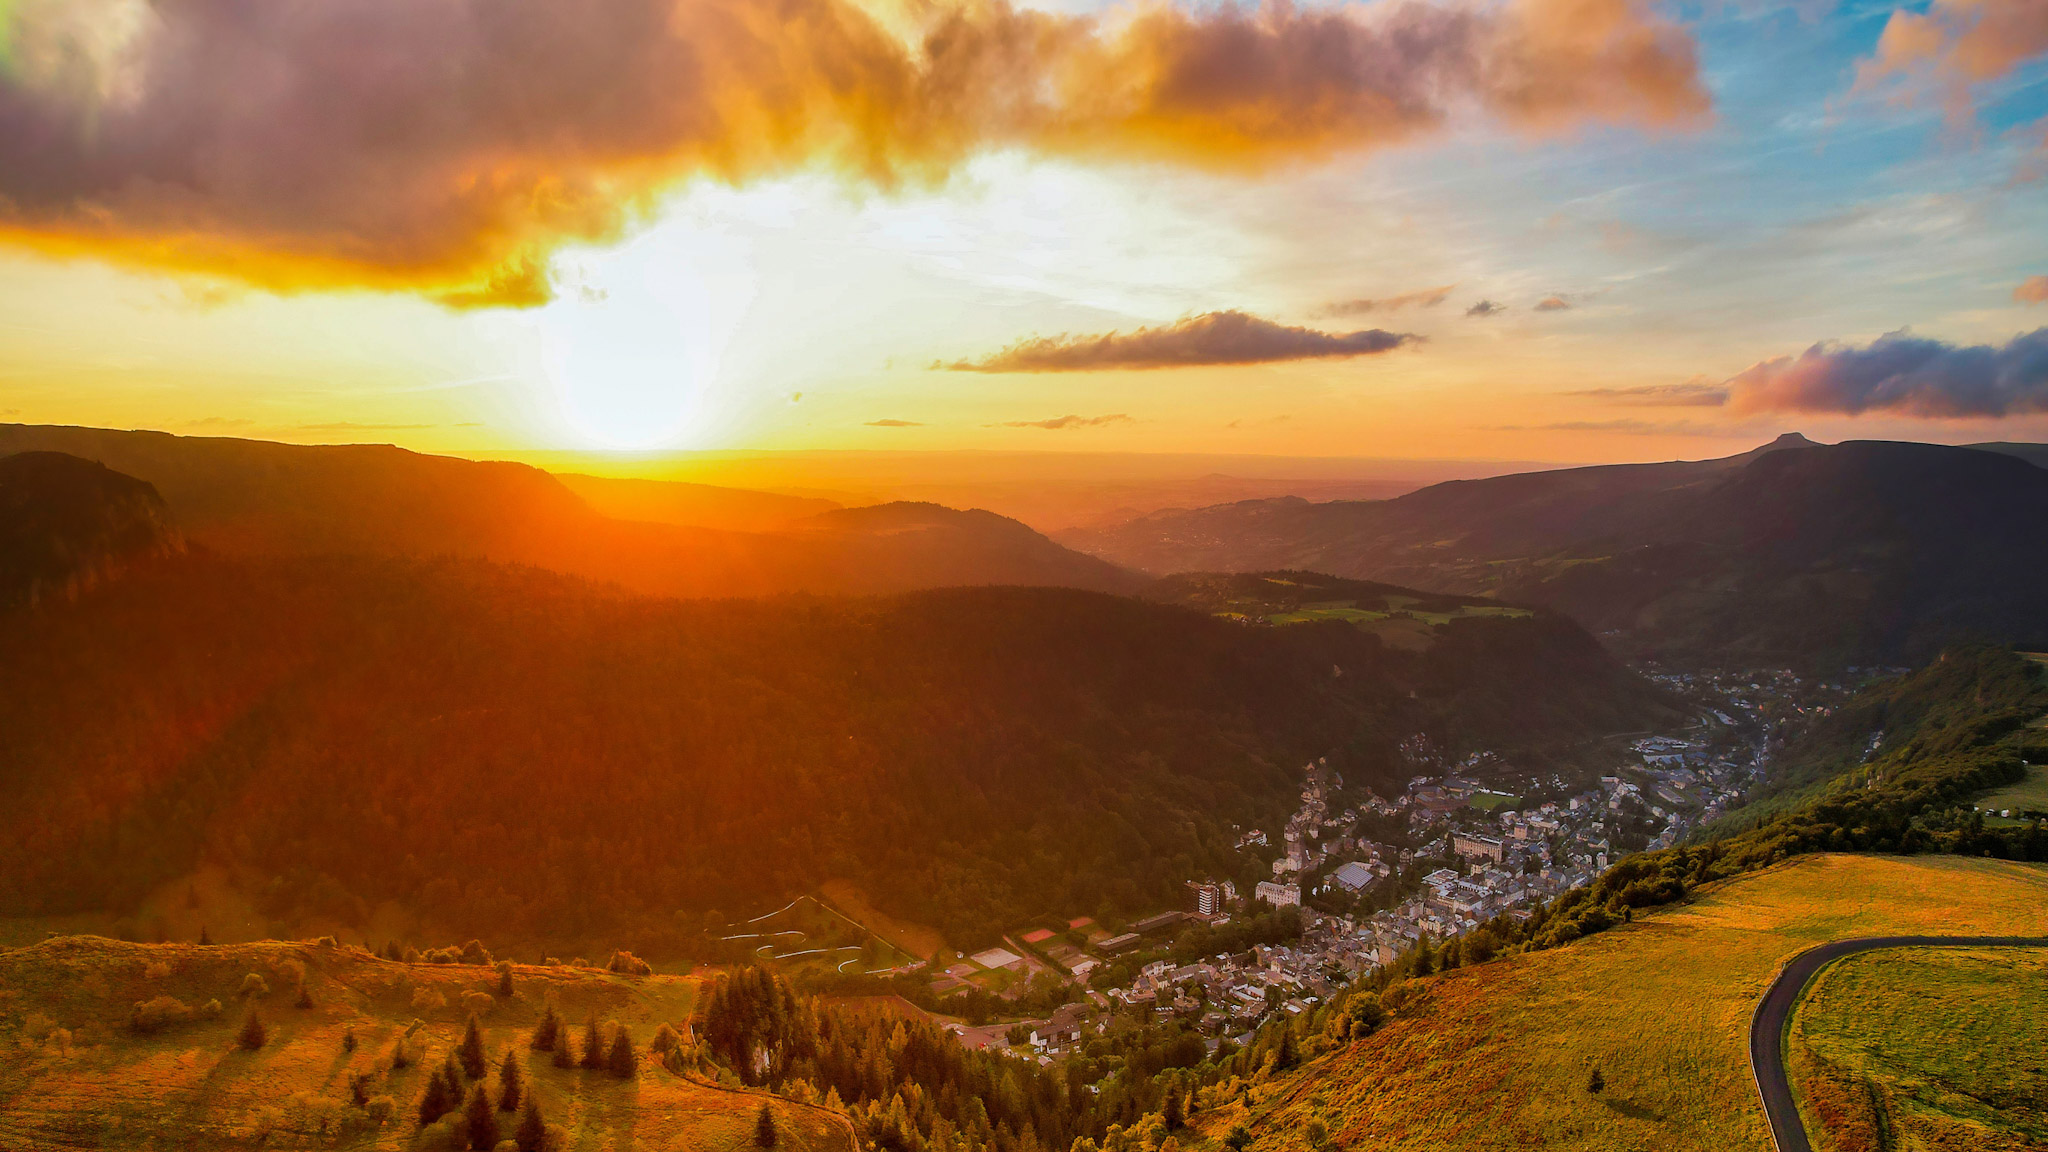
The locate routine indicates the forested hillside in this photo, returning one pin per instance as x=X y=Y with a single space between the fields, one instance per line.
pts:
x=1814 y=556
x=526 y=756
x=66 y=522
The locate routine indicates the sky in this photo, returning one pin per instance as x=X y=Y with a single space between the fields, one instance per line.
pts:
x=1563 y=230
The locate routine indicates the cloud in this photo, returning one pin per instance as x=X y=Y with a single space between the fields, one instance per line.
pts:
x=1694 y=393
x=1953 y=46
x=219 y=422
x=895 y=424
x=351 y=426
x=1211 y=338
x=1553 y=304
x=448 y=147
x=1485 y=308
x=1902 y=374
x=1059 y=422
x=2032 y=290
x=1421 y=298
x=1626 y=427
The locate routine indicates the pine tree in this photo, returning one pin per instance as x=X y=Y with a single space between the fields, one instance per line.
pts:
x=532 y=1135
x=623 y=1061
x=505 y=979
x=1595 y=1082
x=203 y=937
x=438 y=1099
x=1425 y=963
x=764 y=1129
x=399 y=1060
x=510 y=1088
x=1286 y=1056
x=565 y=1054
x=305 y=999
x=548 y=1033
x=252 y=1035
x=452 y=1072
x=483 y=1120
x=1171 y=1109
x=593 y=1045
x=474 y=1062
x=348 y=1038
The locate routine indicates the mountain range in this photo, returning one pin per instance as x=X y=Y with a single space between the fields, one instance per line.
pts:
x=259 y=498
x=1817 y=555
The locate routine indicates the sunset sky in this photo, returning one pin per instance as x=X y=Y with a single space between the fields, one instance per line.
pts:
x=1567 y=230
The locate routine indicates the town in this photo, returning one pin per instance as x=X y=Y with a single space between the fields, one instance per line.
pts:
x=1361 y=885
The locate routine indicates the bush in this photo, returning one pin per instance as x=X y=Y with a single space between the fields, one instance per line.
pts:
x=478 y=1003
x=253 y=985
x=156 y=970
x=628 y=964
x=475 y=953
x=426 y=999
x=252 y=1035
x=764 y=1128
x=158 y=1013
x=381 y=1109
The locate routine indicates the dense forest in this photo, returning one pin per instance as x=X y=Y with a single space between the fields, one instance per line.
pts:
x=523 y=756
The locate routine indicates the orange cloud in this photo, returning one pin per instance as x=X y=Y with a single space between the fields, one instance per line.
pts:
x=1954 y=45
x=449 y=146
x=1421 y=298
x=1211 y=338
x=2032 y=290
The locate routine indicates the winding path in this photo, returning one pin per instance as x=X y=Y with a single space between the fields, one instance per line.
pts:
x=1774 y=1014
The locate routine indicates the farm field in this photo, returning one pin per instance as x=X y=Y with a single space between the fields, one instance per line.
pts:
x=2027 y=795
x=914 y=941
x=1487 y=801
x=74 y=1073
x=1498 y=1056
x=1936 y=1048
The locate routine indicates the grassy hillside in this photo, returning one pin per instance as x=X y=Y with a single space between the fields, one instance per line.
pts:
x=75 y=1073
x=1498 y=1056
x=1928 y=1048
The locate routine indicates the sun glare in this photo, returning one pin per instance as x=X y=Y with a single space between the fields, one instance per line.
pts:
x=634 y=342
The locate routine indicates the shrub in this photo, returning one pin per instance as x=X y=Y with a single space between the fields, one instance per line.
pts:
x=475 y=953
x=212 y=1010
x=478 y=1003
x=156 y=970
x=380 y=1109
x=665 y=1040
x=305 y=999
x=158 y=1013
x=628 y=964
x=764 y=1128
x=426 y=999
x=254 y=985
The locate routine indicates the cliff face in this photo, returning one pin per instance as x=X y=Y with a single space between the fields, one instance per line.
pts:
x=66 y=523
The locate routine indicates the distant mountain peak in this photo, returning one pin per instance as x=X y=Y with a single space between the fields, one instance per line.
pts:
x=1791 y=440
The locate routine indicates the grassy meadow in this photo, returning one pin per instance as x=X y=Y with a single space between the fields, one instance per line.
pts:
x=2028 y=795
x=1926 y=1048
x=1498 y=1056
x=75 y=1074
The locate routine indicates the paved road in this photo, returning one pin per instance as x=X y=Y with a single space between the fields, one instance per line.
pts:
x=1774 y=1012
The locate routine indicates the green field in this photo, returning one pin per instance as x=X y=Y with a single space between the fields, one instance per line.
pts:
x=1496 y=1057
x=1493 y=801
x=2028 y=795
x=1304 y=615
x=1934 y=1048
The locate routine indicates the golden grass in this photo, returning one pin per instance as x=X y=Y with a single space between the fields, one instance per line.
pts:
x=189 y=1086
x=1931 y=1048
x=1497 y=1057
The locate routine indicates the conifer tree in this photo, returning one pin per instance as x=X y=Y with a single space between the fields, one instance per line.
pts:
x=399 y=1059
x=511 y=1090
x=482 y=1120
x=204 y=939
x=1595 y=1082
x=593 y=1045
x=252 y=1035
x=548 y=1033
x=348 y=1038
x=453 y=1073
x=565 y=1053
x=532 y=1135
x=474 y=1062
x=305 y=999
x=438 y=1099
x=1171 y=1109
x=623 y=1060
x=504 y=979
x=764 y=1128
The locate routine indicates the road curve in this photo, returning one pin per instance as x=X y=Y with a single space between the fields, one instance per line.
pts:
x=1774 y=1013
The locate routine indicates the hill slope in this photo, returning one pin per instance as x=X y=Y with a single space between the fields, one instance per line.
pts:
x=526 y=756
x=256 y=498
x=76 y=1074
x=1498 y=1056
x=1820 y=555
x=66 y=522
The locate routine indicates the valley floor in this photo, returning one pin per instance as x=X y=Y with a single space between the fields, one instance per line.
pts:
x=1499 y=1056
